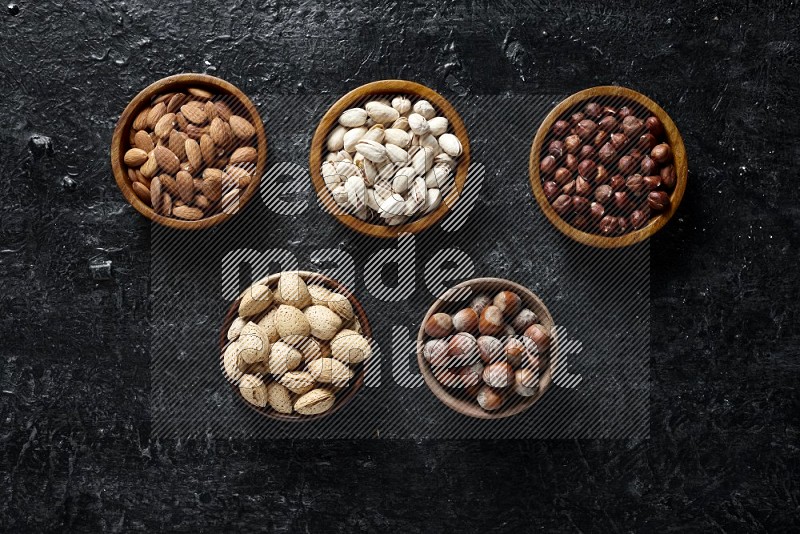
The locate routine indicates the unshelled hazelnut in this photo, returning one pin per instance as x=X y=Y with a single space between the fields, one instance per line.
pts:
x=624 y=111
x=515 y=351
x=622 y=203
x=436 y=352
x=608 y=225
x=600 y=138
x=465 y=320
x=471 y=375
x=577 y=117
x=508 y=302
x=547 y=165
x=498 y=375
x=654 y=126
x=562 y=204
x=658 y=200
x=524 y=319
x=526 y=382
x=439 y=325
x=490 y=349
x=491 y=320
x=479 y=303
x=661 y=153
x=539 y=335
x=463 y=349
x=646 y=141
x=603 y=193
x=489 y=399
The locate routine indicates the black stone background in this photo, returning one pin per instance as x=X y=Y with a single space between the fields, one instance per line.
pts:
x=74 y=382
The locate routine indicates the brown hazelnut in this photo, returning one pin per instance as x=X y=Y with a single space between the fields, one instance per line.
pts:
x=638 y=219
x=593 y=109
x=508 y=302
x=491 y=320
x=439 y=325
x=607 y=153
x=471 y=375
x=618 y=140
x=608 y=123
x=609 y=110
x=582 y=186
x=526 y=382
x=596 y=210
x=626 y=164
x=560 y=128
x=624 y=111
x=515 y=351
x=654 y=126
x=498 y=375
x=658 y=200
x=586 y=168
x=556 y=148
x=539 y=335
x=551 y=190
x=436 y=352
x=571 y=162
x=580 y=204
x=622 y=203
x=463 y=349
x=661 y=153
x=632 y=126
x=647 y=166
x=586 y=152
x=652 y=182
x=562 y=175
x=524 y=319
x=635 y=184
x=465 y=320
x=608 y=225
x=577 y=117
x=646 y=141
x=572 y=143
x=601 y=174
x=622 y=225
x=449 y=378
x=669 y=177
x=489 y=399
x=490 y=349
x=479 y=303
x=569 y=188
x=600 y=138
x=603 y=193
x=617 y=182
x=562 y=204
x=586 y=128
x=547 y=165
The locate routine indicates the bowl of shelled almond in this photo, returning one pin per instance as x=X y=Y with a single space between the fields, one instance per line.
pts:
x=295 y=346
x=608 y=167
x=486 y=348
x=188 y=152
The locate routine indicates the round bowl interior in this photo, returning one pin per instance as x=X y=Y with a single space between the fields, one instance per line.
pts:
x=120 y=143
x=357 y=97
x=359 y=371
x=455 y=299
x=608 y=94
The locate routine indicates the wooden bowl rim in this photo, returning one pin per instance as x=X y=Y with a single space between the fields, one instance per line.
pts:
x=119 y=142
x=360 y=369
x=487 y=285
x=331 y=117
x=679 y=157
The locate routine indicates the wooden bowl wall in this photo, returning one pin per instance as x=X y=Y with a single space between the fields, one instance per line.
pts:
x=673 y=137
x=359 y=371
x=359 y=96
x=490 y=286
x=120 y=143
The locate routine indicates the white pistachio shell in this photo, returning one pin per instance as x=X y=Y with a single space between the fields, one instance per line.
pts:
x=353 y=118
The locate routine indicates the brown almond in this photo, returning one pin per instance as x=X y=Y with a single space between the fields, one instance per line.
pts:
x=166 y=204
x=212 y=186
x=183 y=124
x=175 y=102
x=140 y=122
x=208 y=149
x=220 y=132
x=162 y=98
x=202 y=94
x=185 y=212
x=201 y=202
x=245 y=154
x=165 y=125
x=155 y=194
x=223 y=111
x=241 y=127
x=135 y=157
x=143 y=140
x=239 y=175
x=142 y=192
x=194 y=112
x=169 y=185
x=166 y=160
x=156 y=112
x=193 y=154
x=150 y=167
x=230 y=202
x=196 y=132
x=177 y=144
x=211 y=110
x=185 y=186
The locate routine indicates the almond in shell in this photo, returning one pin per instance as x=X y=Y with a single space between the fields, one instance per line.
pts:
x=255 y=299
x=330 y=371
x=279 y=398
x=297 y=381
x=283 y=357
x=290 y=321
x=292 y=290
x=253 y=390
x=315 y=402
x=187 y=213
x=350 y=347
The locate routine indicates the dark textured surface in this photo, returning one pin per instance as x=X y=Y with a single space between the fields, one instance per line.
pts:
x=74 y=381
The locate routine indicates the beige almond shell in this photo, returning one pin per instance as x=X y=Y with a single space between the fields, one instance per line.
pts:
x=297 y=381
x=283 y=358
x=309 y=347
x=315 y=402
x=255 y=299
x=319 y=294
x=267 y=323
x=289 y=321
x=292 y=290
x=323 y=322
x=232 y=362
x=340 y=305
x=348 y=346
x=236 y=328
x=279 y=398
x=253 y=390
x=253 y=343
x=330 y=371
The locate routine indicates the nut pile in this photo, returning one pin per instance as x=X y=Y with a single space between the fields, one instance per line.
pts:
x=191 y=154
x=501 y=365
x=608 y=170
x=391 y=161
x=295 y=347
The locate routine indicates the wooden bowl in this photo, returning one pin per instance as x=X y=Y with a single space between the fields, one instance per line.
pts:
x=357 y=97
x=120 y=143
x=359 y=371
x=609 y=93
x=452 y=301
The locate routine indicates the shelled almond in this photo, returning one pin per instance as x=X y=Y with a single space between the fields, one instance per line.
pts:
x=191 y=154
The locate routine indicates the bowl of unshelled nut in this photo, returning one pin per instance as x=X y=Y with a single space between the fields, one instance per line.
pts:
x=608 y=167
x=390 y=157
x=486 y=348
x=295 y=346
x=188 y=152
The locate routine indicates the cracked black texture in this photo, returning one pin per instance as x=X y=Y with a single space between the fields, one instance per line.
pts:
x=74 y=377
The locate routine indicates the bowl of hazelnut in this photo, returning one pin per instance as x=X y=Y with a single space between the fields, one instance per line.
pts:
x=486 y=348
x=608 y=167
